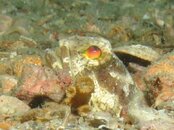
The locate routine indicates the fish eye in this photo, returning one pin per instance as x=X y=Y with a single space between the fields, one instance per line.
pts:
x=93 y=52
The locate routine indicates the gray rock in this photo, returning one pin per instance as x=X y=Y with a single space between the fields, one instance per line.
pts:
x=12 y=106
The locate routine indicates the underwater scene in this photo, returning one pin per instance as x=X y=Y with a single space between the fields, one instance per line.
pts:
x=86 y=65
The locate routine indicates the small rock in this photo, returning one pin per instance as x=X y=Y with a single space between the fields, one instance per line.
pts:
x=5 y=23
x=159 y=78
x=139 y=54
x=7 y=83
x=5 y=125
x=12 y=106
x=157 y=125
x=42 y=81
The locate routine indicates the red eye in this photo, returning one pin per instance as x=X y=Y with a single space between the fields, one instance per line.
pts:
x=93 y=52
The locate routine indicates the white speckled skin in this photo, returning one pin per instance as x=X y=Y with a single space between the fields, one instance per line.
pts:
x=106 y=96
